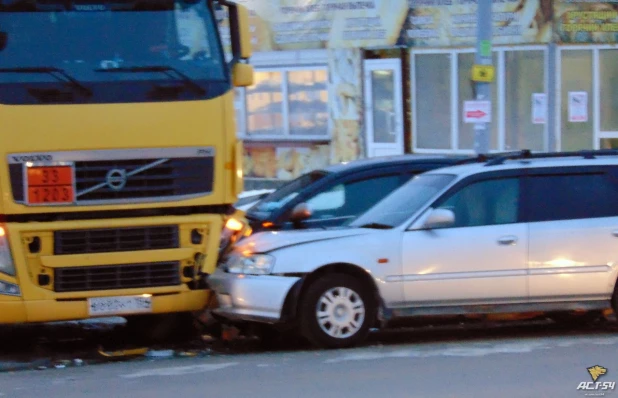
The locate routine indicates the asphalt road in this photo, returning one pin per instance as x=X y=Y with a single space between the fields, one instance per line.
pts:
x=492 y=365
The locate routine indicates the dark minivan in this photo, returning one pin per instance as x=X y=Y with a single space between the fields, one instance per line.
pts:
x=336 y=194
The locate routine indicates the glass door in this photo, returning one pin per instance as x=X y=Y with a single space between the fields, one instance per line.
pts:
x=383 y=107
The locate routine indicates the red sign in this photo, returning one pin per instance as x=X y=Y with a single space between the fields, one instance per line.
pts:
x=477 y=112
x=50 y=185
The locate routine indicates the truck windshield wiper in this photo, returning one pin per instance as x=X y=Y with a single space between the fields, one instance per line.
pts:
x=55 y=72
x=199 y=90
x=376 y=225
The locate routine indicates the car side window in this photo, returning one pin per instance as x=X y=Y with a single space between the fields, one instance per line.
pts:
x=488 y=202
x=350 y=199
x=570 y=197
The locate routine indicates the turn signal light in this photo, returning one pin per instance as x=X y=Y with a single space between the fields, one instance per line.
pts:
x=234 y=225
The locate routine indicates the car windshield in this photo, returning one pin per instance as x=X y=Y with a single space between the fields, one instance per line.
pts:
x=152 y=50
x=404 y=202
x=284 y=194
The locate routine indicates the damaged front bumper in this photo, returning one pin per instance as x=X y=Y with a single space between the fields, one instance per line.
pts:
x=253 y=298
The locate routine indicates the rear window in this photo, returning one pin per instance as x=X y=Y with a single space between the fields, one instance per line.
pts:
x=571 y=196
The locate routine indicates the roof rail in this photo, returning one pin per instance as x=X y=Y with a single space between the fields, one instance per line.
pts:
x=482 y=158
x=527 y=154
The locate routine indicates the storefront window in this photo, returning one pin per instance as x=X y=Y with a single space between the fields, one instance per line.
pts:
x=576 y=78
x=433 y=100
x=525 y=75
x=466 y=130
x=608 y=64
x=520 y=73
x=264 y=101
x=308 y=102
x=288 y=103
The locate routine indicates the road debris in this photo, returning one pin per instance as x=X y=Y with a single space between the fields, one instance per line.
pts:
x=160 y=353
x=123 y=353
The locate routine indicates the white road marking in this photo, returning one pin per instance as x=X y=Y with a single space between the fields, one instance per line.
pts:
x=472 y=350
x=179 y=370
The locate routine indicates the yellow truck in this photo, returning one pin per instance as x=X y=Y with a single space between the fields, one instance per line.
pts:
x=120 y=161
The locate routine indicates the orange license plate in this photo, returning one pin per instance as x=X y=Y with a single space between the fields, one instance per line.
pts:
x=50 y=184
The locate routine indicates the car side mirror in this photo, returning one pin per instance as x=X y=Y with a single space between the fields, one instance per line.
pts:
x=439 y=218
x=300 y=213
x=4 y=38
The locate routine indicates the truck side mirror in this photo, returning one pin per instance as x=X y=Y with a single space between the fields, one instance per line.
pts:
x=244 y=31
x=239 y=30
x=242 y=75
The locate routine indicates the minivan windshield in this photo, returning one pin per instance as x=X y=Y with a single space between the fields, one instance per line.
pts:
x=265 y=207
x=404 y=202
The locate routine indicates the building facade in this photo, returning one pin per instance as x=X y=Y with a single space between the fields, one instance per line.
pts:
x=338 y=80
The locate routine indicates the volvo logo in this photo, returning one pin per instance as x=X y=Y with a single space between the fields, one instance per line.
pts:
x=116 y=179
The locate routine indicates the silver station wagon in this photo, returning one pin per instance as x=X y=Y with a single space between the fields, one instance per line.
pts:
x=519 y=232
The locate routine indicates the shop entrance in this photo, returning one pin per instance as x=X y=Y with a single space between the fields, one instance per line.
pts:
x=383 y=107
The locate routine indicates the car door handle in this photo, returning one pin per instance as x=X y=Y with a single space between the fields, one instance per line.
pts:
x=507 y=240
x=615 y=233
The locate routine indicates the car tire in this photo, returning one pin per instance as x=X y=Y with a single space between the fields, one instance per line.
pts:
x=336 y=311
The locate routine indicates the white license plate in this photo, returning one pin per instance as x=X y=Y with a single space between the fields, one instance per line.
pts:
x=120 y=305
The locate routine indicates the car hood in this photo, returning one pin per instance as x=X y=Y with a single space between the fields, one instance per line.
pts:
x=263 y=242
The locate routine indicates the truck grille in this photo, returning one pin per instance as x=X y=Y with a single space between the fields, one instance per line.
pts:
x=78 y=279
x=146 y=179
x=115 y=240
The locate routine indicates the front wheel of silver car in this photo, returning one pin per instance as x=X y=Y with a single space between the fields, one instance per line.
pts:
x=336 y=311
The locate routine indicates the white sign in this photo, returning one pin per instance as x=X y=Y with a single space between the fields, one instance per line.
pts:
x=539 y=108
x=119 y=305
x=578 y=106
x=477 y=111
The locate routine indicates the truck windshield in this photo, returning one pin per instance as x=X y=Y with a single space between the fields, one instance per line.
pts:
x=141 y=41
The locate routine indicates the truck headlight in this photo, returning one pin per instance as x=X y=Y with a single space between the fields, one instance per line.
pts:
x=255 y=264
x=9 y=289
x=232 y=232
x=6 y=260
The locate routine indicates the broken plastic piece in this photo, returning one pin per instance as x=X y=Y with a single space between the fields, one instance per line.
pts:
x=123 y=353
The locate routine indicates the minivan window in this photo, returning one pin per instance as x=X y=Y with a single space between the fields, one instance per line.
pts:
x=349 y=199
x=404 y=202
x=286 y=193
x=571 y=197
x=488 y=202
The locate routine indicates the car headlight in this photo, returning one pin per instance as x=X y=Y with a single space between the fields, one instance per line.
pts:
x=6 y=260
x=255 y=264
